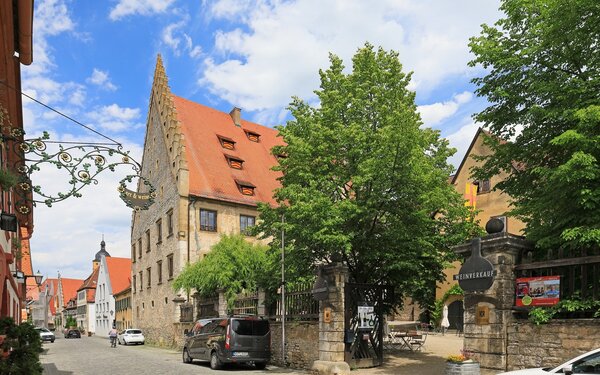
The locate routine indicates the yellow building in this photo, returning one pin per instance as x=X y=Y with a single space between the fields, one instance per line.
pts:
x=490 y=203
x=123 y=309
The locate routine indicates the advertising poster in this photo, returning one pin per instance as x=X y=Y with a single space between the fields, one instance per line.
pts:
x=538 y=291
x=366 y=317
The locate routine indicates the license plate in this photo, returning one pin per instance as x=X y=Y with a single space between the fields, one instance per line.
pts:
x=240 y=354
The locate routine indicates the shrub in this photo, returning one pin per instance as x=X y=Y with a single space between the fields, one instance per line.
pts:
x=24 y=346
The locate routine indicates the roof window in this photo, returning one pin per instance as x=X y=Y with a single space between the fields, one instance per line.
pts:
x=227 y=143
x=234 y=162
x=245 y=187
x=254 y=137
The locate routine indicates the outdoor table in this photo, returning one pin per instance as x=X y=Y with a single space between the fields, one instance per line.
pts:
x=402 y=338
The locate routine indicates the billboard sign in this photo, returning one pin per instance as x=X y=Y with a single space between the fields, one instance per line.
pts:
x=538 y=291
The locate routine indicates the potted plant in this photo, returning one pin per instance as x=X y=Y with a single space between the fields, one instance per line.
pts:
x=462 y=364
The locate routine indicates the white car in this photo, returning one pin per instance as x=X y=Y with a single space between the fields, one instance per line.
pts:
x=588 y=363
x=45 y=334
x=131 y=336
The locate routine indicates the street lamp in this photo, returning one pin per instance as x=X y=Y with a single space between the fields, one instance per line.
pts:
x=19 y=275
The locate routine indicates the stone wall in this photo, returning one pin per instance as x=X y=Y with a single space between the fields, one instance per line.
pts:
x=301 y=339
x=551 y=344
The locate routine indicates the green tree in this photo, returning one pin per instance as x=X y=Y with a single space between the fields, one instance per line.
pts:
x=23 y=344
x=363 y=181
x=543 y=85
x=232 y=265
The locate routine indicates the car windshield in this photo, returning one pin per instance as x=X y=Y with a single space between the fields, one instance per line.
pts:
x=250 y=327
x=42 y=329
x=134 y=332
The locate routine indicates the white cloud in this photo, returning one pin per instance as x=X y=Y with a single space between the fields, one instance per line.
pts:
x=100 y=78
x=115 y=118
x=433 y=114
x=461 y=140
x=179 y=41
x=247 y=67
x=143 y=7
x=51 y=18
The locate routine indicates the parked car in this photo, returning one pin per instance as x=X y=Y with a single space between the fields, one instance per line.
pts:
x=45 y=334
x=588 y=363
x=72 y=333
x=131 y=336
x=229 y=340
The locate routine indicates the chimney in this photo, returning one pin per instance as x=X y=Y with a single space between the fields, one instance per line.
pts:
x=236 y=116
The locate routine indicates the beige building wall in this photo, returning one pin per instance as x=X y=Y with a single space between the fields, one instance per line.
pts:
x=123 y=316
x=490 y=204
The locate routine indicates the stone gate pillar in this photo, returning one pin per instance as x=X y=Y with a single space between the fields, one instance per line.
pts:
x=331 y=321
x=488 y=313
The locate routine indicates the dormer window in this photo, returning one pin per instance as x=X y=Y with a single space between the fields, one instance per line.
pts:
x=235 y=163
x=245 y=187
x=227 y=143
x=254 y=137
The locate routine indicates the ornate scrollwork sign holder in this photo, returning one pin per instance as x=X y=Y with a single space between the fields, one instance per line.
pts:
x=82 y=162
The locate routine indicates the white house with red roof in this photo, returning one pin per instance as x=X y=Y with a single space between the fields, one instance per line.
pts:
x=210 y=169
x=113 y=276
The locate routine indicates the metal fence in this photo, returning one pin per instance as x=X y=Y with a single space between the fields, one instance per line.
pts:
x=579 y=272
x=299 y=304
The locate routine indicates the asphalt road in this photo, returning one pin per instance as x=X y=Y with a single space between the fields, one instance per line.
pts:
x=94 y=356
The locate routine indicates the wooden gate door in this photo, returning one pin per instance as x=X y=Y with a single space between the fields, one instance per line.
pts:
x=456 y=313
x=363 y=338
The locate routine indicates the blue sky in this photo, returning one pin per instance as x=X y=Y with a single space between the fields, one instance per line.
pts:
x=94 y=61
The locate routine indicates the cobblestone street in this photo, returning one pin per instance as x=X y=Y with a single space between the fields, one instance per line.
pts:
x=94 y=356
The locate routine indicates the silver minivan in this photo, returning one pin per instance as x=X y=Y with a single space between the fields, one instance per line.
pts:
x=243 y=339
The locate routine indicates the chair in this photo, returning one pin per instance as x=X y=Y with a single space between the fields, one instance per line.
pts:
x=417 y=340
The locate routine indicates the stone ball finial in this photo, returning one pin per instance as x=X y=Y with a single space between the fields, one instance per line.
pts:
x=494 y=225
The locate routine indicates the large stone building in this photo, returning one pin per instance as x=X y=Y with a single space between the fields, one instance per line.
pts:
x=209 y=169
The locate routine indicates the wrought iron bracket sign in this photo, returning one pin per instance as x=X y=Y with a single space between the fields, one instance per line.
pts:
x=82 y=163
x=477 y=273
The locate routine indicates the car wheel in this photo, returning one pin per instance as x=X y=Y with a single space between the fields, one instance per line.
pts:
x=124 y=342
x=260 y=365
x=215 y=362
x=186 y=356
x=51 y=340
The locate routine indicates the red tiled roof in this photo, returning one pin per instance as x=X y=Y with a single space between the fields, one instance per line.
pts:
x=119 y=271
x=69 y=288
x=128 y=287
x=210 y=174
x=89 y=285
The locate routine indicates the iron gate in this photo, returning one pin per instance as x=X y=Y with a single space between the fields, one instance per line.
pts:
x=364 y=346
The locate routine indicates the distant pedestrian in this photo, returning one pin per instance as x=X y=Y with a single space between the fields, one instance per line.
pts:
x=445 y=323
x=112 y=334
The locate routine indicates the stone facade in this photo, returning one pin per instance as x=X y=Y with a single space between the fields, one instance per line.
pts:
x=301 y=350
x=551 y=344
x=488 y=340
x=506 y=342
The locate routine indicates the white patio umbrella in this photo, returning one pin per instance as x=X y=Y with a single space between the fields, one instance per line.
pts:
x=445 y=323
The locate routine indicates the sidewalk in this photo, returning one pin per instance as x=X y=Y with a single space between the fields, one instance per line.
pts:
x=431 y=360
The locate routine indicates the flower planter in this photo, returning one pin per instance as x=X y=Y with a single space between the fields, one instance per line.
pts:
x=462 y=368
